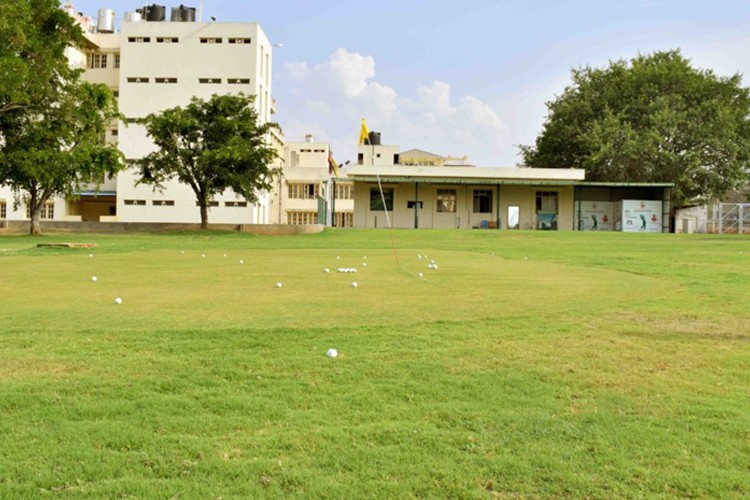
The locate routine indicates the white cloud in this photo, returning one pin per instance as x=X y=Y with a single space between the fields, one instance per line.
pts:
x=334 y=96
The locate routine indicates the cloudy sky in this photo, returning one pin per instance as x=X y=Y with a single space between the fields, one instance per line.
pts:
x=464 y=77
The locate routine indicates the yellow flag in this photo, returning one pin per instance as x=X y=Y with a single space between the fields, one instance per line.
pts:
x=364 y=134
x=333 y=167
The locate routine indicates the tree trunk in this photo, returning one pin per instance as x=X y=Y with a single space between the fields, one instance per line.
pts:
x=204 y=214
x=35 y=210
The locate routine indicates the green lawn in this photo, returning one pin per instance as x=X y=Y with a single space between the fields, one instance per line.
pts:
x=528 y=364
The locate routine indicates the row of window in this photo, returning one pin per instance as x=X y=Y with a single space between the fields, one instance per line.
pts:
x=170 y=203
x=342 y=219
x=100 y=60
x=311 y=191
x=214 y=81
x=546 y=201
x=174 y=39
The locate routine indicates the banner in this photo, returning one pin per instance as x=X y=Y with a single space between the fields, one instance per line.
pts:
x=596 y=216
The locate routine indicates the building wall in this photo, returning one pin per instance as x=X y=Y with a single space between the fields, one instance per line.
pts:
x=464 y=217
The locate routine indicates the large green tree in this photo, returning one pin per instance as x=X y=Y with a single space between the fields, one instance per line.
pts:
x=211 y=145
x=653 y=119
x=52 y=124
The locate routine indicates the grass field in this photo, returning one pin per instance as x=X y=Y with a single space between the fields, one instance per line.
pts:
x=528 y=364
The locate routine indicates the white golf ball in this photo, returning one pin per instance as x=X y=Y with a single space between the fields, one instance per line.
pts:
x=332 y=353
x=420 y=275
x=203 y=255
x=118 y=300
x=354 y=284
x=419 y=257
x=278 y=284
x=93 y=278
x=338 y=257
x=365 y=257
x=91 y=254
x=434 y=266
x=364 y=264
x=225 y=255
x=326 y=270
x=242 y=262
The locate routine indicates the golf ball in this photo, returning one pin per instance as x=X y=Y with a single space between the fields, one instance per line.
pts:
x=364 y=264
x=93 y=278
x=326 y=270
x=203 y=255
x=420 y=275
x=332 y=353
x=279 y=285
x=242 y=262
x=354 y=284
x=118 y=300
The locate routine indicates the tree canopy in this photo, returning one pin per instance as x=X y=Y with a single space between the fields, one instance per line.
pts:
x=52 y=125
x=654 y=119
x=211 y=146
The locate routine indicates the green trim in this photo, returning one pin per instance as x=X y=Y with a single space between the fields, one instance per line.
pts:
x=464 y=180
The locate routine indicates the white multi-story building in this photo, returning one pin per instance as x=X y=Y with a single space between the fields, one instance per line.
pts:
x=152 y=65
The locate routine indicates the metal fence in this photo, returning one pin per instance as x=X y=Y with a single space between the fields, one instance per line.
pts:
x=728 y=218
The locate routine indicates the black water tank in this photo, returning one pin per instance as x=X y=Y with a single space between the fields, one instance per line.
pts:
x=374 y=138
x=153 y=13
x=183 y=14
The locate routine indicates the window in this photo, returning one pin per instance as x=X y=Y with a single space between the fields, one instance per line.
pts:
x=210 y=204
x=97 y=61
x=47 y=211
x=135 y=202
x=482 y=201
x=210 y=40
x=376 y=199
x=139 y=39
x=117 y=60
x=3 y=210
x=344 y=191
x=344 y=219
x=303 y=191
x=235 y=203
x=240 y=41
x=546 y=201
x=137 y=79
x=411 y=204
x=446 y=200
x=302 y=217
x=165 y=80
x=162 y=203
x=169 y=39
x=209 y=80
x=238 y=81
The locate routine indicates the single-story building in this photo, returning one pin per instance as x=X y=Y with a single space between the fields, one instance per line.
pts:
x=403 y=193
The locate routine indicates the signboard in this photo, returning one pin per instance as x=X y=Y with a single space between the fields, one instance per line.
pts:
x=639 y=216
x=596 y=216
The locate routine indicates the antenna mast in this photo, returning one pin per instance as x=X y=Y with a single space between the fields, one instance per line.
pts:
x=200 y=11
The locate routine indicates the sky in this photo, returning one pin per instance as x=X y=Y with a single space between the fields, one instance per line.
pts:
x=468 y=78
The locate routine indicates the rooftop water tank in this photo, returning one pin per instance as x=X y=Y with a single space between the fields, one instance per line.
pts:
x=374 y=138
x=105 y=21
x=183 y=14
x=132 y=17
x=153 y=13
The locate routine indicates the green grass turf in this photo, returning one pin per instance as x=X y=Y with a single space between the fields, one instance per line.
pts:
x=527 y=364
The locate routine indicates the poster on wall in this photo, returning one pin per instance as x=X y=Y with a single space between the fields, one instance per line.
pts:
x=641 y=216
x=596 y=216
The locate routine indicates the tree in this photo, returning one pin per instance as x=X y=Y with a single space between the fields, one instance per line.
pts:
x=51 y=124
x=211 y=146
x=657 y=119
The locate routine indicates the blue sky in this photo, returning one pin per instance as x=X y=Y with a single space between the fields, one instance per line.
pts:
x=460 y=78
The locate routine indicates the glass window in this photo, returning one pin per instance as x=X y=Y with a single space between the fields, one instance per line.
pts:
x=482 y=201
x=376 y=199
x=446 y=200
